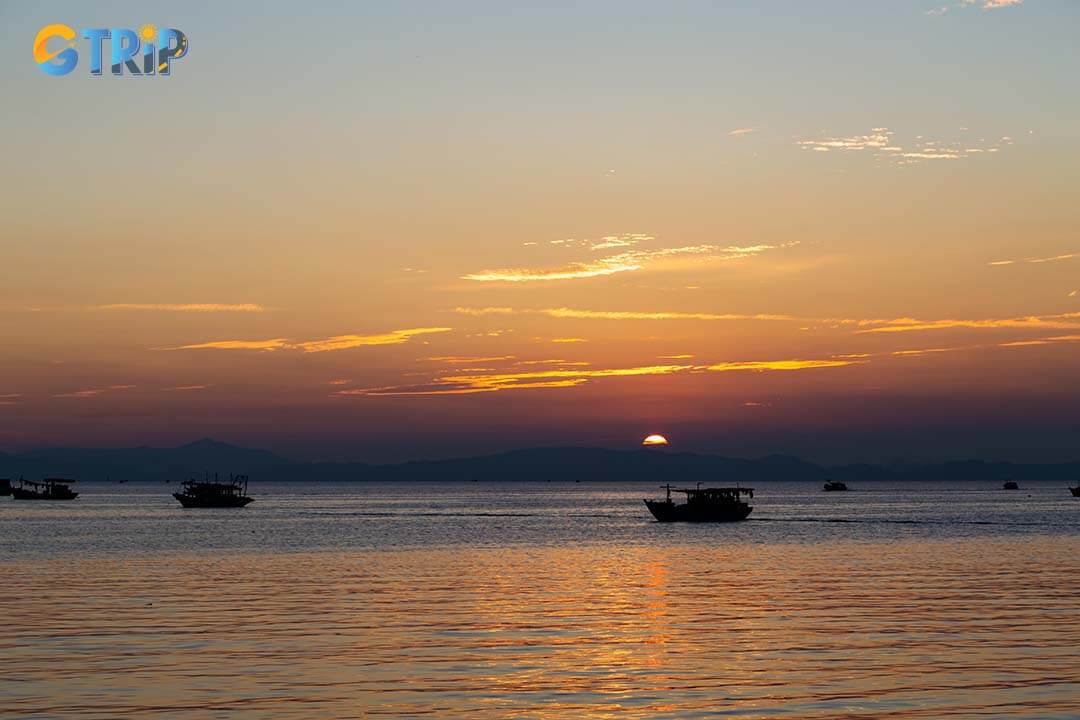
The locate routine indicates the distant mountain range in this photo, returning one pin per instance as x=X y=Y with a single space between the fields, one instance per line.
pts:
x=536 y=465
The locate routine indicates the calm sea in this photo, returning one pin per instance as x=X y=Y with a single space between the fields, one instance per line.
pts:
x=550 y=600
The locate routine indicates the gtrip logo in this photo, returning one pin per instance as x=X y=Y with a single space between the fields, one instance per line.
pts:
x=55 y=53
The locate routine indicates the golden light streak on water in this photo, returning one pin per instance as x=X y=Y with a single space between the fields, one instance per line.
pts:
x=906 y=629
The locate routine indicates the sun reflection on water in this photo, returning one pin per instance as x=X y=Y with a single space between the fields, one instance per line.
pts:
x=912 y=629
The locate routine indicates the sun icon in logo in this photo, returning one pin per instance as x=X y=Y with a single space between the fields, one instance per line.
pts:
x=148 y=33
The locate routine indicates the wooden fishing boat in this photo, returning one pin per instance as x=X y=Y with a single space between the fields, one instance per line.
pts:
x=47 y=489
x=702 y=505
x=214 y=493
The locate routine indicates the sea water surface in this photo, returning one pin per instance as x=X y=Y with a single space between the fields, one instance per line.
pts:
x=542 y=600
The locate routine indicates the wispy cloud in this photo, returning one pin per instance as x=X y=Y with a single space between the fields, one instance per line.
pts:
x=881 y=143
x=466 y=359
x=92 y=392
x=555 y=361
x=622 y=262
x=859 y=325
x=609 y=242
x=877 y=138
x=626 y=261
x=337 y=342
x=567 y=340
x=563 y=377
x=273 y=344
x=616 y=314
x=1035 y=322
x=574 y=271
x=922 y=351
x=630 y=315
x=1037 y=260
x=345 y=342
x=187 y=307
x=480 y=312
x=777 y=365
x=984 y=4
x=742 y=131
x=185 y=388
x=1043 y=341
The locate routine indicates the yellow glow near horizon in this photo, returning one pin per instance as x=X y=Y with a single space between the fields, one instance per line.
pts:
x=654 y=439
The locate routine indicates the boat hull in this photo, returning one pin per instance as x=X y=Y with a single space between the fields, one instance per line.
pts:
x=665 y=511
x=21 y=494
x=217 y=502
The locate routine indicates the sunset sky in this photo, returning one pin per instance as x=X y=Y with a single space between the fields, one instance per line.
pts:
x=386 y=231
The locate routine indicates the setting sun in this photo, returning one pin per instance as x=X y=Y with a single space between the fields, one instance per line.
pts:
x=655 y=440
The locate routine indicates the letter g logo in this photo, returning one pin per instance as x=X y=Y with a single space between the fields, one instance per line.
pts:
x=68 y=57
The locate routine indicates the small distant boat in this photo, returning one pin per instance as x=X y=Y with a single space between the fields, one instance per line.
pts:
x=702 y=505
x=1010 y=485
x=1075 y=491
x=5 y=487
x=214 y=494
x=47 y=489
x=834 y=485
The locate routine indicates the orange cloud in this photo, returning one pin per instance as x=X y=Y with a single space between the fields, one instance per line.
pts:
x=574 y=271
x=623 y=315
x=337 y=342
x=92 y=392
x=186 y=307
x=345 y=342
x=1038 y=260
x=925 y=351
x=779 y=365
x=1034 y=322
x=580 y=363
x=1043 y=341
x=616 y=315
x=564 y=377
x=274 y=344
x=469 y=359
x=622 y=262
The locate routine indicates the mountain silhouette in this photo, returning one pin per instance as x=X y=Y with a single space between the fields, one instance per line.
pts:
x=532 y=465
